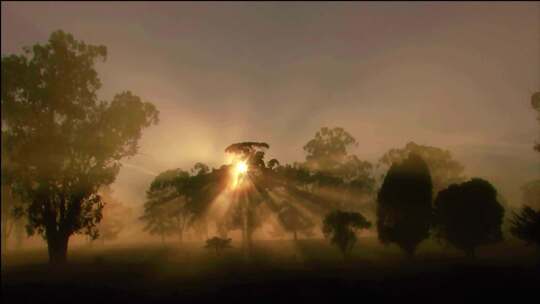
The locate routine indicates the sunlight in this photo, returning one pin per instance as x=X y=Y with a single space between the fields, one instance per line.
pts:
x=240 y=169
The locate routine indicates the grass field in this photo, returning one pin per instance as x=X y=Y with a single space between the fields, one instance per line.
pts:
x=309 y=270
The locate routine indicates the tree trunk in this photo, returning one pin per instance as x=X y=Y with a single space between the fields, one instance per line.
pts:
x=295 y=236
x=57 y=246
x=181 y=236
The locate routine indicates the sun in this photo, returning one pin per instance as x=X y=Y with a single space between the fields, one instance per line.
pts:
x=238 y=173
x=241 y=167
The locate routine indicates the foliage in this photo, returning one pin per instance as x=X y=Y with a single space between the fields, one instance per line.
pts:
x=328 y=149
x=531 y=194
x=340 y=227
x=62 y=142
x=291 y=219
x=404 y=204
x=176 y=199
x=526 y=225
x=468 y=215
x=535 y=102
x=218 y=244
x=443 y=168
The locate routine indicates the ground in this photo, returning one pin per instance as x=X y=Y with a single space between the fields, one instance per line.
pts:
x=285 y=271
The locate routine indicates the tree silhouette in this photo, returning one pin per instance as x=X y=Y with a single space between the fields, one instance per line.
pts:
x=175 y=199
x=294 y=221
x=65 y=144
x=531 y=194
x=218 y=244
x=535 y=102
x=404 y=204
x=444 y=170
x=526 y=225
x=468 y=215
x=340 y=227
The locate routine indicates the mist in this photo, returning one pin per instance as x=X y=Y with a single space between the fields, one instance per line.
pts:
x=264 y=132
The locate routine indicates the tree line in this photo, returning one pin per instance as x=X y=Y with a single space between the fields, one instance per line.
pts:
x=61 y=145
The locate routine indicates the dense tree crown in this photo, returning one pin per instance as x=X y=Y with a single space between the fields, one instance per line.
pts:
x=340 y=228
x=468 y=215
x=328 y=149
x=444 y=170
x=404 y=204
x=63 y=143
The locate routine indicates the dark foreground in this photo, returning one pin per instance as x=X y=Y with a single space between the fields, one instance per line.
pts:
x=311 y=272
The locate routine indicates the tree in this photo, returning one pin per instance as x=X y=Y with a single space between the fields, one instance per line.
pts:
x=443 y=168
x=167 y=210
x=468 y=215
x=218 y=244
x=404 y=204
x=341 y=226
x=526 y=225
x=535 y=102
x=294 y=221
x=531 y=194
x=177 y=200
x=328 y=149
x=332 y=172
x=65 y=144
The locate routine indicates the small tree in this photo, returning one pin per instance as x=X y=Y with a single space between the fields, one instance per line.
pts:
x=526 y=225
x=294 y=221
x=218 y=244
x=404 y=204
x=340 y=227
x=468 y=215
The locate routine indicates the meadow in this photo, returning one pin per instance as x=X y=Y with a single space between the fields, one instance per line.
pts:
x=280 y=270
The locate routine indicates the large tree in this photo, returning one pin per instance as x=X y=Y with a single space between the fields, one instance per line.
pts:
x=444 y=169
x=468 y=215
x=63 y=142
x=331 y=171
x=328 y=150
x=404 y=204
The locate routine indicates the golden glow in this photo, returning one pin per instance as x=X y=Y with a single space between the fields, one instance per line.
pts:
x=239 y=170
x=241 y=167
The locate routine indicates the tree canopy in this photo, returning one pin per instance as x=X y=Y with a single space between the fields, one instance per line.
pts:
x=443 y=168
x=404 y=204
x=341 y=226
x=63 y=143
x=468 y=215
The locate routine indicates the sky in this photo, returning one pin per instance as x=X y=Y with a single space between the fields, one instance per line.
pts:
x=458 y=76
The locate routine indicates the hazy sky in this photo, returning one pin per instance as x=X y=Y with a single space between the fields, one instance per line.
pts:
x=453 y=75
